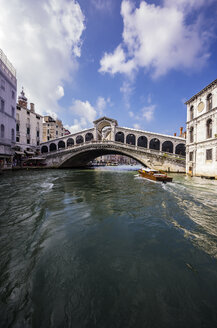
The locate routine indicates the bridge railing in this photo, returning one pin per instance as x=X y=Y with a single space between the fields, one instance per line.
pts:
x=125 y=146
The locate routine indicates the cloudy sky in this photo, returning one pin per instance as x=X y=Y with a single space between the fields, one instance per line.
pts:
x=135 y=61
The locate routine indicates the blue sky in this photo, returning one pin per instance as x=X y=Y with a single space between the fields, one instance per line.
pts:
x=135 y=61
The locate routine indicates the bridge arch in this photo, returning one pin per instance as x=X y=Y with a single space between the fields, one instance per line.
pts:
x=119 y=136
x=131 y=139
x=167 y=146
x=79 y=139
x=61 y=144
x=44 y=149
x=53 y=147
x=70 y=142
x=154 y=144
x=142 y=142
x=83 y=157
x=88 y=136
x=180 y=149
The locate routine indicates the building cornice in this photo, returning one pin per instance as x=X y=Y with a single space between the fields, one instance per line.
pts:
x=201 y=92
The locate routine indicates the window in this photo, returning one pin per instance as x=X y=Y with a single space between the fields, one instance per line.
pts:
x=28 y=141
x=12 y=94
x=28 y=130
x=192 y=134
x=28 y=113
x=3 y=84
x=2 y=105
x=2 y=131
x=37 y=134
x=191 y=156
x=209 y=154
x=191 y=112
x=209 y=102
x=48 y=138
x=209 y=128
x=48 y=131
x=12 y=134
x=17 y=139
x=17 y=127
x=12 y=111
x=56 y=133
x=37 y=143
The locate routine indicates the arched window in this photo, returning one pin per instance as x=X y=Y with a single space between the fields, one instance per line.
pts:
x=209 y=102
x=53 y=146
x=2 y=131
x=167 y=146
x=17 y=127
x=61 y=144
x=88 y=136
x=192 y=134
x=180 y=149
x=191 y=112
x=119 y=136
x=79 y=139
x=130 y=139
x=209 y=128
x=12 y=135
x=142 y=142
x=70 y=142
x=154 y=144
x=44 y=149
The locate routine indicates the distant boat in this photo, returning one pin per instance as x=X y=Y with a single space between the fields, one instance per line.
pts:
x=155 y=175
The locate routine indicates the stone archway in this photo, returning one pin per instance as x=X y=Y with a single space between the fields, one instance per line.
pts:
x=105 y=128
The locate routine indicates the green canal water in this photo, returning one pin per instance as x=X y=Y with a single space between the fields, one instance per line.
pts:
x=107 y=249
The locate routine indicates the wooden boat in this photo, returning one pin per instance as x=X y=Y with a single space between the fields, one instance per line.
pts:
x=155 y=175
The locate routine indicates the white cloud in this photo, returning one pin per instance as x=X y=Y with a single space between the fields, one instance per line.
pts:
x=137 y=126
x=102 y=5
x=131 y=114
x=42 y=39
x=85 y=113
x=148 y=112
x=127 y=90
x=158 y=39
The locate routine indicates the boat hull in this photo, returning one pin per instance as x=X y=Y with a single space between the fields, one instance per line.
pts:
x=157 y=177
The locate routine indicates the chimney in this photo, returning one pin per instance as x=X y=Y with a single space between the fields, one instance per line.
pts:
x=174 y=134
x=181 y=131
x=32 y=107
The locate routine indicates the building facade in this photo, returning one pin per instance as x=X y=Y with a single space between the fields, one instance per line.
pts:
x=52 y=129
x=201 y=143
x=8 y=94
x=28 y=126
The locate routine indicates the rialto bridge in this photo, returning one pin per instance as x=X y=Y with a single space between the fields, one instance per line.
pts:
x=153 y=150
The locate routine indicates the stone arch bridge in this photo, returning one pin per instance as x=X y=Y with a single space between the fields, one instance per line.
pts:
x=153 y=150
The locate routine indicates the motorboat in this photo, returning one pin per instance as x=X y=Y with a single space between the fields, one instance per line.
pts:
x=154 y=175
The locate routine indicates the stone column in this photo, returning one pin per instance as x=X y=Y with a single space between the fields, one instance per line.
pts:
x=113 y=131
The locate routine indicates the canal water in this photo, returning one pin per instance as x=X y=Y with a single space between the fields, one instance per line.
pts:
x=106 y=249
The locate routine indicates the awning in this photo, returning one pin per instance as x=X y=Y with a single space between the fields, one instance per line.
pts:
x=29 y=152
x=35 y=159
x=19 y=153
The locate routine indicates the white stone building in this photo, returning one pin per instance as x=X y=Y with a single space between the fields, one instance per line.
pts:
x=8 y=91
x=201 y=143
x=28 y=126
